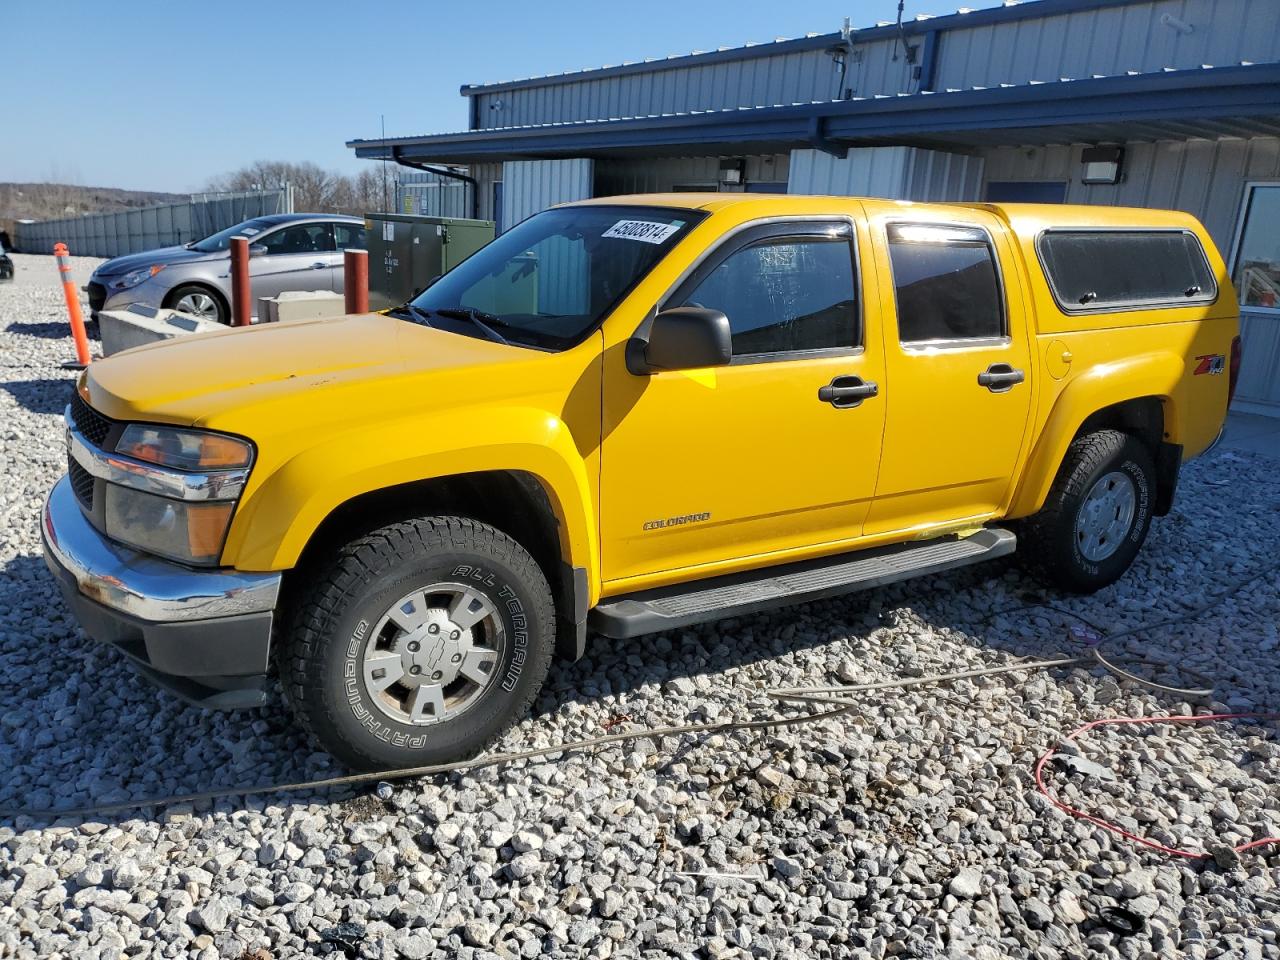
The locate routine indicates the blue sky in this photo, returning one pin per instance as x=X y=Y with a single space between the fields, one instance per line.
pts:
x=163 y=94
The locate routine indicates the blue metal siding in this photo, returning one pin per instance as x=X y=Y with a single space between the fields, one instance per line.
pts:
x=532 y=185
x=529 y=186
x=1110 y=40
x=894 y=173
x=984 y=48
x=766 y=80
x=1203 y=177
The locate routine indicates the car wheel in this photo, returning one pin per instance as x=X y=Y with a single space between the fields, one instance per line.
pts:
x=199 y=301
x=1096 y=516
x=420 y=643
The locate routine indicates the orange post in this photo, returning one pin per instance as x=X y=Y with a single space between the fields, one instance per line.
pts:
x=73 y=308
x=241 y=307
x=355 y=280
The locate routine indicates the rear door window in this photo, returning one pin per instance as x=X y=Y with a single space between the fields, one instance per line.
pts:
x=1118 y=269
x=946 y=283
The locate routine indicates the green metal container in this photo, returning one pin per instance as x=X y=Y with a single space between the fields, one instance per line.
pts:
x=407 y=252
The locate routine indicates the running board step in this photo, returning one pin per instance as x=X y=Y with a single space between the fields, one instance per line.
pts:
x=649 y=611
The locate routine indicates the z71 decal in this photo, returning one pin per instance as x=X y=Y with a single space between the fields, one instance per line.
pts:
x=1210 y=363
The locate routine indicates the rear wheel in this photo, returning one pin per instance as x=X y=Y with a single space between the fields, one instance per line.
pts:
x=1096 y=516
x=199 y=301
x=421 y=643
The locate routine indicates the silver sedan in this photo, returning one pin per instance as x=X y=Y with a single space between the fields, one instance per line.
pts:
x=288 y=251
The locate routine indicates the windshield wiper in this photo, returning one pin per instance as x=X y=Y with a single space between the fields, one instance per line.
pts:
x=478 y=317
x=417 y=313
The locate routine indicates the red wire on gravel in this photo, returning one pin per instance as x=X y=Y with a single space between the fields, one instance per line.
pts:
x=1107 y=825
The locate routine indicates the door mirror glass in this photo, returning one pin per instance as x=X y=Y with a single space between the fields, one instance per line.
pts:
x=683 y=338
x=257 y=250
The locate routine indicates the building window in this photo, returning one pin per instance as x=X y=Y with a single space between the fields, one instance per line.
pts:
x=1107 y=269
x=946 y=282
x=1257 y=266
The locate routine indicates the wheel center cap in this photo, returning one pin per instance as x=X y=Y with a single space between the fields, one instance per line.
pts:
x=433 y=652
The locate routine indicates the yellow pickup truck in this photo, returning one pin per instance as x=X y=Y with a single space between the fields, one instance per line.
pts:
x=628 y=415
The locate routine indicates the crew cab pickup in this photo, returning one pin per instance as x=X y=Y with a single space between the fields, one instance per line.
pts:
x=628 y=415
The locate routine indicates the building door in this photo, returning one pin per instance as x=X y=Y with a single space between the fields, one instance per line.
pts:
x=1255 y=270
x=721 y=465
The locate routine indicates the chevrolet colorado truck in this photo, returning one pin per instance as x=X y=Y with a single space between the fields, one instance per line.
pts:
x=628 y=415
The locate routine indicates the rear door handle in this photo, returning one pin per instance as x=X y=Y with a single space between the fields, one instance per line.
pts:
x=848 y=391
x=1000 y=377
x=319 y=266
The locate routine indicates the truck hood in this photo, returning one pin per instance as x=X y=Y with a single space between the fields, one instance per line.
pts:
x=218 y=379
x=164 y=255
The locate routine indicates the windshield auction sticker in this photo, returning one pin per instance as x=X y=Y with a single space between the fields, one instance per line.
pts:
x=646 y=231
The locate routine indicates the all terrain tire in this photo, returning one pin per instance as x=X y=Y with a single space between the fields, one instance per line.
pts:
x=1096 y=516
x=420 y=643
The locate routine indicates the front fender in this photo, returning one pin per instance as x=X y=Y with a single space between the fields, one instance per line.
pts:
x=1156 y=374
x=279 y=516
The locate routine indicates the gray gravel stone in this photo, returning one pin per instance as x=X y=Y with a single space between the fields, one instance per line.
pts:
x=967 y=883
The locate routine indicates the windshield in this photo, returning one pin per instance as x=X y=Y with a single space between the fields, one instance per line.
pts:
x=549 y=281
x=222 y=239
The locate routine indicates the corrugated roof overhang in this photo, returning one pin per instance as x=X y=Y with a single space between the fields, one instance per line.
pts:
x=1212 y=102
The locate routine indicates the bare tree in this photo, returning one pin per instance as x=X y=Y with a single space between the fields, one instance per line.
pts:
x=315 y=190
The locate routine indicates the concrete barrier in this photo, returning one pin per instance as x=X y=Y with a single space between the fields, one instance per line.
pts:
x=139 y=325
x=301 y=305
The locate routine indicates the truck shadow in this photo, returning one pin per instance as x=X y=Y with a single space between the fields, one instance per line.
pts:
x=50 y=330
x=49 y=395
x=78 y=727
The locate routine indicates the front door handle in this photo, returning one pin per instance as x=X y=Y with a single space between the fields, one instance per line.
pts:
x=848 y=391
x=1000 y=377
x=319 y=266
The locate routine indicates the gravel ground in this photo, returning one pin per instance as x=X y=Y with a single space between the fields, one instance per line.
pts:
x=910 y=828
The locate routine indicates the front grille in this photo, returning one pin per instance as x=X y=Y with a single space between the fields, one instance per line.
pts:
x=92 y=425
x=97 y=296
x=81 y=484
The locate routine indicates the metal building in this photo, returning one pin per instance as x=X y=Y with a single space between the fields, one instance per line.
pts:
x=1162 y=103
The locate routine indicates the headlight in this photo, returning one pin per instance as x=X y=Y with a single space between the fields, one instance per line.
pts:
x=135 y=277
x=186 y=531
x=184 y=449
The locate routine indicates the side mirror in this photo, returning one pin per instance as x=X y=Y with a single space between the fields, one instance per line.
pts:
x=681 y=338
x=257 y=250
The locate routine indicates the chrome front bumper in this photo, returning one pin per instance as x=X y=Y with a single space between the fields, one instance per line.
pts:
x=197 y=632
x=140 y=585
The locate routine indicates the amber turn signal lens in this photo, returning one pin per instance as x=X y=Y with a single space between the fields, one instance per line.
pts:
x=184 y=449
x=206 y=526
x=219 y=451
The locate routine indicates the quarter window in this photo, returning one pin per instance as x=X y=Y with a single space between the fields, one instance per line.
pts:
x=946 y=283
x=1099 y=269
x=784 y=294
x=349 y=235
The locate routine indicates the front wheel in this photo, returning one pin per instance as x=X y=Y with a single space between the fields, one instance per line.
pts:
x=420 y=644
x=1096 y=516
x=199 y=301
